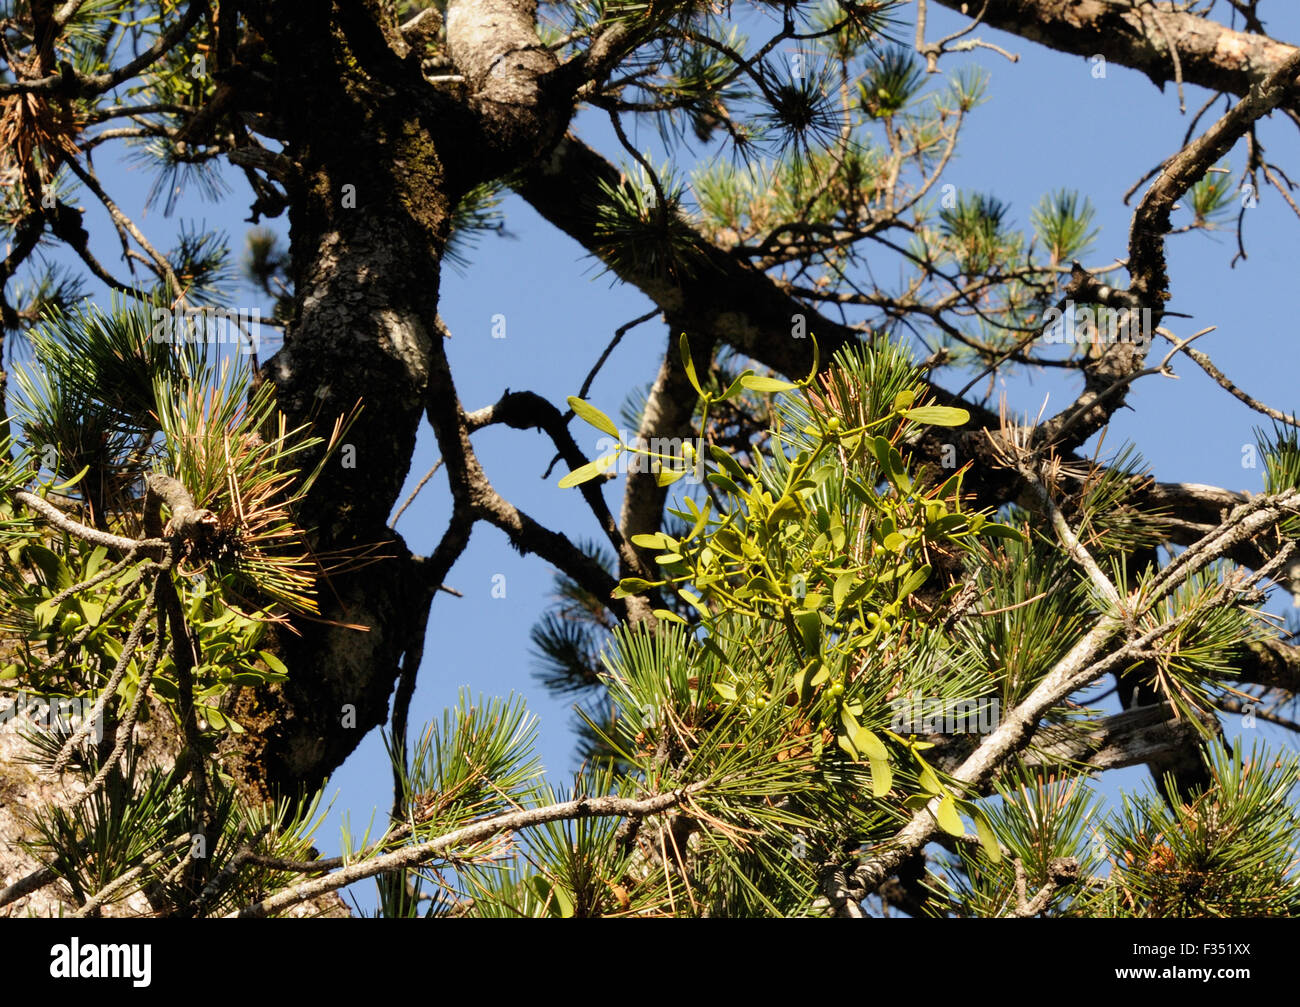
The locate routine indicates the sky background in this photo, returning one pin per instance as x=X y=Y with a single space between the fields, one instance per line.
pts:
x=1048 y=123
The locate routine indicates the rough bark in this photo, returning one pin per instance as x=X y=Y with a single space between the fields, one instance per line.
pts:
x=379 y=159
x=1139 y=36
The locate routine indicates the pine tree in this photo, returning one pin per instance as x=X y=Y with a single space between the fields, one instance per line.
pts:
x=845 y=648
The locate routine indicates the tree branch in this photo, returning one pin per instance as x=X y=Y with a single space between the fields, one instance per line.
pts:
x=411 y=856
x=1209 y=53
x=76 y=84
x=1085 y=662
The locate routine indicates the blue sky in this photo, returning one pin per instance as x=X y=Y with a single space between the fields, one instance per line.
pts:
x=1048 y=123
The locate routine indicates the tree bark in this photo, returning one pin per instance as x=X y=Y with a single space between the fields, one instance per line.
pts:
x=380 y=158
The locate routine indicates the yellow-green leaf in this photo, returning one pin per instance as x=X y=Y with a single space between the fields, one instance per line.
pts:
x=759 y=383
x=95 y=560
x=71 y=482
x=816 y=361
x=725 y=461
x=788 y=508
x=914 y=580
x=633 y=585
x=938 y=416
x=701 y=522
x=591 y=470
x=586 y=411
x=736 y=385
x=948 y=818
x=904 y=399
x=810 y=628
x=882 y=777
x=689 y=364
x=843 y=585
x=694 y=600
x=53 y=569
x=45 y=613
x=988 y=840
x=870 y=745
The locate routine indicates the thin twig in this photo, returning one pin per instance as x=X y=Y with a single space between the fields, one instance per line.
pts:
x=89 y=85
x=619 y=333
x=1207 y=365
x=109 y=691
x=418 y=486
x=1071 y=542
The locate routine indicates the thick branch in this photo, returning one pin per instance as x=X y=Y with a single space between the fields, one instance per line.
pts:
x=1137 y=35
x=1130 y=738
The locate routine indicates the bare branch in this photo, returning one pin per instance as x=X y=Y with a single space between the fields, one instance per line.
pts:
x=1209 y=53
x=147 y=547
x=514 y=821
x=1207 y=365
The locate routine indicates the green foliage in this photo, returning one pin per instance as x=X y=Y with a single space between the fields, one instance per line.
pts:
x=201 y=263
x=641 y=230
x=976 y=231
x=101 y=404
x=1230 y=853
x=1064 y=225
x=814 y=586
x=137 y=838
x=1280 y=451
x=479 y=210
x=478 y=761
x=233 y=451
x=812 y=581
x=1210 y=198
x=812 y=589
x=893 y=78
x=1040 y=820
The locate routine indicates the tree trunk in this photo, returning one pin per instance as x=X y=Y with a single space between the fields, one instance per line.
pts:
x=371 y=196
